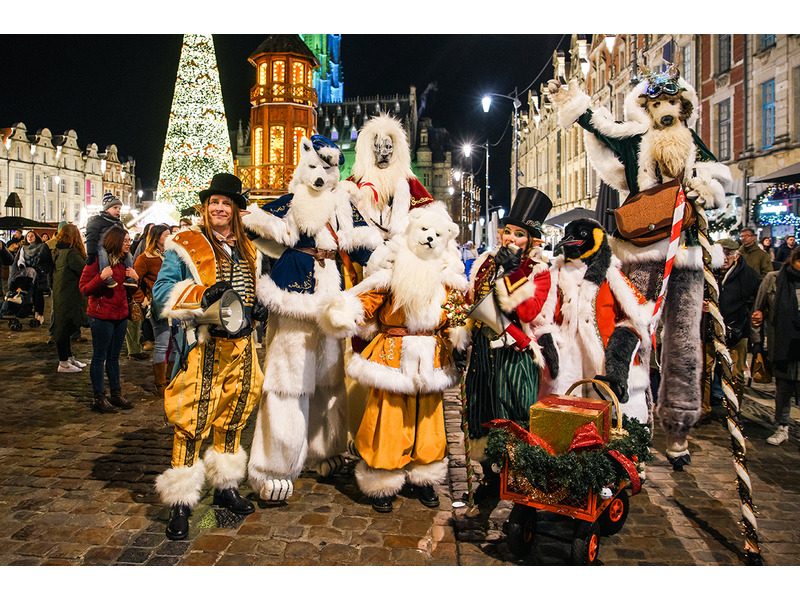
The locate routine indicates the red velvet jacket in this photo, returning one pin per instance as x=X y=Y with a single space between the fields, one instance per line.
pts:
x=105 y=302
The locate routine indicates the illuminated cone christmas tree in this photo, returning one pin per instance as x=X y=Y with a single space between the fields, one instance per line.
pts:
x=197 y=144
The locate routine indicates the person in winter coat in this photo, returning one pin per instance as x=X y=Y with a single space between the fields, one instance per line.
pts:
x=6 y=258
x=777 y=306
x=96 y=228
x=69 y=305
x=35 y=255
x=738 y=284
x=147 y=266
x=781 y=254
x=108 y=318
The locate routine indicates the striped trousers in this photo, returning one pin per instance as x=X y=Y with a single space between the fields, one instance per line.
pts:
x=218 y=390
x=501 y=383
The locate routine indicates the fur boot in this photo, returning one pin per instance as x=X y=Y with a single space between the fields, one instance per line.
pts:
x=181 y=485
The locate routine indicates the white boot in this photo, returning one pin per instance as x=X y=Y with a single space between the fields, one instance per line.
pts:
x=781 y=435
x=75 y=362
x=64 y=366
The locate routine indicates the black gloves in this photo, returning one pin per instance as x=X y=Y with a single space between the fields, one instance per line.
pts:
x=460 y=359
x=549 y=353
x=507 y=259
x=260 y=312
x=214 y=293
x=620 y=389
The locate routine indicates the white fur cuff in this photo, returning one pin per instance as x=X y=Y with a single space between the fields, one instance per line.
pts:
x=572 y=103
x=225 y=470
x=181 y=485
x=429 y=474
x=379 y=483
x=341 y=316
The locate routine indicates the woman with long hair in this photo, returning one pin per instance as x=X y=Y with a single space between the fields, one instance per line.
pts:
x=108 y=319
x=503 y=382
x=147 y=266
x=69 y=305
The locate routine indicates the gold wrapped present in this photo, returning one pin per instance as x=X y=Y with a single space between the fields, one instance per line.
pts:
x=555 y=419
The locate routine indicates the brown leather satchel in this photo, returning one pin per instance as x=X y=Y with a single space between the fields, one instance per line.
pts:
x=646 y=217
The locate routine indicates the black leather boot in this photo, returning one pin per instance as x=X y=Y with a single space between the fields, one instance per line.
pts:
x=231 y=499
x=428 y=496
x=178 y=526
x=100 y=403
x=117 y=399
x=384 y=504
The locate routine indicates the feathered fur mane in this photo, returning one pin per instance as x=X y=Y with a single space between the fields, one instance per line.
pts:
x=364 y=168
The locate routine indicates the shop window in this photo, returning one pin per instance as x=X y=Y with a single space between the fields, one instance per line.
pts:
x=262 y=73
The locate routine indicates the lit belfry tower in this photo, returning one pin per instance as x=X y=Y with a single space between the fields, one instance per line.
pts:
x=283 y=110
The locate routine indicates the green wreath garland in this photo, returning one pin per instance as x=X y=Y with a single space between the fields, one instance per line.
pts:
x=591 y=470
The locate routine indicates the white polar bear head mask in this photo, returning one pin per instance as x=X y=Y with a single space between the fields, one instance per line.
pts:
x=429 y=231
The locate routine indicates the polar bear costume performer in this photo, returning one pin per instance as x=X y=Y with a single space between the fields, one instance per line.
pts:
x=408 y=364
x=302 y=417
x=654 y=144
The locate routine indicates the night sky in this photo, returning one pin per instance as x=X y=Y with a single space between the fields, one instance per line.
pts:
x=117 y=89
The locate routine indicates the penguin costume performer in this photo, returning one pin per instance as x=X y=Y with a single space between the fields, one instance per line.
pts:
x=598 y=320
x=502 y=381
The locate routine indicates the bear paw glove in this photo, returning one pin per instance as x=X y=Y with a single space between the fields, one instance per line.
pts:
x=277 y=490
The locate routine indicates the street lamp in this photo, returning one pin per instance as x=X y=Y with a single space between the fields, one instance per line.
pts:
x=467 y=151
x=487 y=102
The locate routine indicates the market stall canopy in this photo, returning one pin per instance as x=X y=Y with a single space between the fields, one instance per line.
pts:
x=9 y=223
x=789 y=174
x=563 y=219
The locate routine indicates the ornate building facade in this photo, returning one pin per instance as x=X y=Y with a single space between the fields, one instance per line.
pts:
x=56 y=180
x=749 y=114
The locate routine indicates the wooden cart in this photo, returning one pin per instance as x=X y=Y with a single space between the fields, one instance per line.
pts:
x=593 y=516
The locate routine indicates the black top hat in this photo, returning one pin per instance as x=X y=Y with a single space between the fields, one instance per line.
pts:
x=529 y=210
x=227 y=185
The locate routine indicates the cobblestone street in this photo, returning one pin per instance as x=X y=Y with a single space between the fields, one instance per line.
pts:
x=76 y=488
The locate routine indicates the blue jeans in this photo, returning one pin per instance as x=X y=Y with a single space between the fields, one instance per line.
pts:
x=164 y=341
x=107 y=339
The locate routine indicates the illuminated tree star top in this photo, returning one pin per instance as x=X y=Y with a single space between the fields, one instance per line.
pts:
x=197 y=144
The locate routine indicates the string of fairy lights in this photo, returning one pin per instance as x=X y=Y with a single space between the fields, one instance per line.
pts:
x=197 y=144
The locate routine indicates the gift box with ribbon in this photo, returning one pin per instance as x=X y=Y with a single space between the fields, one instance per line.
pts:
x=555 y=419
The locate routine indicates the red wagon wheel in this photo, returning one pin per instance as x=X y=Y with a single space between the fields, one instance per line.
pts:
x=613 y=517
x=585 y=543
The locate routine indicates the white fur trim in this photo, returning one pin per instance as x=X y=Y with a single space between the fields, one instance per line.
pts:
x=293 y=304
x=606 y=163
x=604 y=122
x=379 y=483
x=572 y=102
x=509 y=301
x=268 y=225
x=690 y=257
x=460 y=337
x=225 y=470
x=280 y=440
x=341 y=316
x=416 y=372
x=175 y=294
x=181 y=485
x=429 y=474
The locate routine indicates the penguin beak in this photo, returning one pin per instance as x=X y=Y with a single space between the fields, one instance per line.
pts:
x=567 y=241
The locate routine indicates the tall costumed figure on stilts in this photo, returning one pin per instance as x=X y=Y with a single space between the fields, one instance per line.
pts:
x=669 y=176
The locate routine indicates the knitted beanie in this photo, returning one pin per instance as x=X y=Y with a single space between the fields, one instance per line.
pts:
x=110 y=200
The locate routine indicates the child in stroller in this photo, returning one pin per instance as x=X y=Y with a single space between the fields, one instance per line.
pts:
x=18 y=302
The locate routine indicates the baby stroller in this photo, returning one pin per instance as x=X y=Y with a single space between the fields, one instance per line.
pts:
x=18 y=302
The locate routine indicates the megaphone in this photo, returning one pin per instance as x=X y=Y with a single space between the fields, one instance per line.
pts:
x=227 y=312
x=487 y=312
